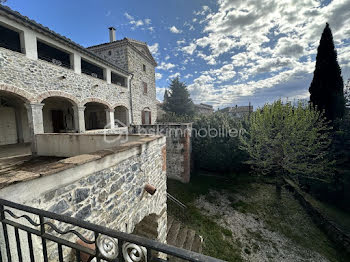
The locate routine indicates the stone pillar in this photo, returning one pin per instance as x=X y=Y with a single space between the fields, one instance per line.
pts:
x=107 y=75
x=79 y=118
x=35 y=122
x=76 y=62
x=29 y=44
x=110 y=118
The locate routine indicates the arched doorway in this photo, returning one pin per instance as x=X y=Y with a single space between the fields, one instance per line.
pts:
x=95 y=116
x=146 y=116
x=121 y=116
x=58 y=115
x=14 y=127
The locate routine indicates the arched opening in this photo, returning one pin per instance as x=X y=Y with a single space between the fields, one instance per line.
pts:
x=14 y=127
x=58 y=115
x=148 y=227
x=121 y=116
x=146 y=116
x=95 y=116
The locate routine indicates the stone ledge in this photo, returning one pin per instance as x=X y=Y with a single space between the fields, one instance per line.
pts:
x=47 y=169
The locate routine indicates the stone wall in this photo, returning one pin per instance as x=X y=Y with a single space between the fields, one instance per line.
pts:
x=140 y=101
x=178 y=147
x=135 y=62
x=107 y=190
x=37 y=78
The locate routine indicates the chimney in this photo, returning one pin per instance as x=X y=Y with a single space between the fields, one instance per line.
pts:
x=111 y=34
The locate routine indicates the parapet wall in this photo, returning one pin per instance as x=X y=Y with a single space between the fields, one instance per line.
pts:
x=105 y=188
x=178 y=147
x=68 y=145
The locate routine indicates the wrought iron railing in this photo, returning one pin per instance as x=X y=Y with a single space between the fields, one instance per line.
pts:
x=106 y=244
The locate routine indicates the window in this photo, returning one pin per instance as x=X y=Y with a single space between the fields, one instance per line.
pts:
x=91 y=69
x=144 y=68
x=10 y=39
x=118 y=80
x=109 y=53
x=145 y=88
x=53 y=55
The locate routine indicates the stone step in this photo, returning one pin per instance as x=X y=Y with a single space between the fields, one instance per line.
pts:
x=181 y=237
x=189 y=239
x=170 y=220
x=173 y=232
x=197 y=244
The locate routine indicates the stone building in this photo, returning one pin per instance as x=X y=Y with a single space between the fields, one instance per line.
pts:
x=238 y=111
x=203 y=109
x=96 y=179
x=49 y=84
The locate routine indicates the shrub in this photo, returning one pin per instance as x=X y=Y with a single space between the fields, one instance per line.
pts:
x=220 y=153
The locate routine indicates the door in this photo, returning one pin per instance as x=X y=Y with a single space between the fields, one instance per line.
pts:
x=57 y=120
x=8 y=129
x=146 y=117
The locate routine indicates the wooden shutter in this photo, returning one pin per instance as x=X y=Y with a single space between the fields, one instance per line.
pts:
x=145 y=88
x=143 y=117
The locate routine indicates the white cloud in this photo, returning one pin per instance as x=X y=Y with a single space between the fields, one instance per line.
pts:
x=154 y=49
x=189 y=49
x=159 y=76
x=188 y=76
x=174 y=75
x=129 y=17
x=167 y=58
x=165 y=66
x=271 y=42
x=139 y=22
x=180 y=42
x=174 y=30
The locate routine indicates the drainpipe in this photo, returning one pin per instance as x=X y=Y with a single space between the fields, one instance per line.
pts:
x=130 y=92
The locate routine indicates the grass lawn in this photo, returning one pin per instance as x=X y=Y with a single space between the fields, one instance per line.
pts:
x=285 y=216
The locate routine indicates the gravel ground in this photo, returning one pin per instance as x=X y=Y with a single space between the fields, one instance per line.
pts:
x=258 y=241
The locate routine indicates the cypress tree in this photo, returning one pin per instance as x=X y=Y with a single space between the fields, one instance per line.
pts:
x=327 y=87
x=178 y=100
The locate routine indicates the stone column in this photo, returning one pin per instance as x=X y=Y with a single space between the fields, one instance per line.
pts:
x=76 y=62
x=107 y=75
x=79 y=118
x=35 y=122
x=110 y=118
x=29 y=44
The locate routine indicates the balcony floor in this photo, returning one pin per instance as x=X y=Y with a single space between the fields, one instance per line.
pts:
x=15 y=150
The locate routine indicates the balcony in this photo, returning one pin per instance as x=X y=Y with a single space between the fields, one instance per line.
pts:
x=104 y=244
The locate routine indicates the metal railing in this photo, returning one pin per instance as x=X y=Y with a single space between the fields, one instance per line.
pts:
x=107 y=244
x=176 y=201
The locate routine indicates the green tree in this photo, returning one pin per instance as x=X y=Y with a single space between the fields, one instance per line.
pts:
x=178 y=101
x=216 y=144
x=285 y=140
x=327 y=87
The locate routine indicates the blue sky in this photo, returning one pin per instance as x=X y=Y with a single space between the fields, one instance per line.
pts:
x=228 y=51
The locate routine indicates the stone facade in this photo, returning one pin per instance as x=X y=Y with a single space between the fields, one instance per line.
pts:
x=41 y=80
x=26 y=74
x=137 y=56
x=113 y=197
